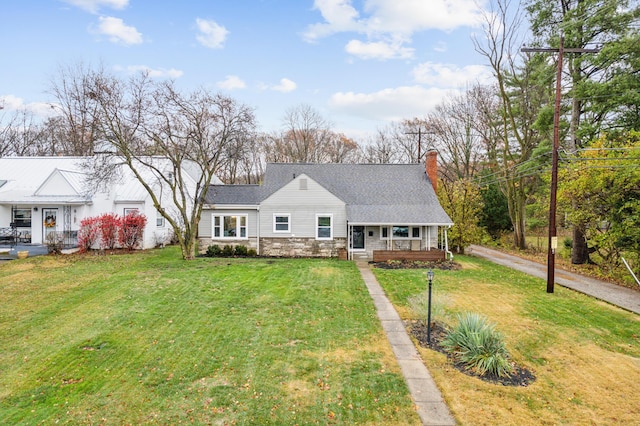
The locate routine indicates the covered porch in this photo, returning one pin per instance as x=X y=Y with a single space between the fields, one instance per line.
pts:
x=382 y=242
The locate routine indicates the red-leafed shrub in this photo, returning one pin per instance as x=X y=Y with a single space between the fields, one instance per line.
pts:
x=131 y=230
x=89 y=233
x=109 y=226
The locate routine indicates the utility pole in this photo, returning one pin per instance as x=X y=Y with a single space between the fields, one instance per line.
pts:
x=419 y=133
x=553 y=238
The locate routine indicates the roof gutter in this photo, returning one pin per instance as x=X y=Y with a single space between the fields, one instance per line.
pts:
x=449 y=224
x=232 y=206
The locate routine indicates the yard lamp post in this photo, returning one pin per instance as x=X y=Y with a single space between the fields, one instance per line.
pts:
x=430 y=278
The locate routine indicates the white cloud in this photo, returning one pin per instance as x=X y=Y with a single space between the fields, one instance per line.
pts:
x=441 y=46
x=339 y=16
x=378 y=50
x=408 y=16
x=94 y=5
x=153 y=73
x=232 y=82
x=285 y=86
x=389 y=104
x=395 y=20
x=449 y=75
x=9 y=103
x=211 y=34
x=117 y=32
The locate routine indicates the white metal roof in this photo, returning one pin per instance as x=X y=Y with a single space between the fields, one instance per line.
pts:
x=24 y=178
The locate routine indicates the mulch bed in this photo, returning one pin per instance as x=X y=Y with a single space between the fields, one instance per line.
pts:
x=418 y=329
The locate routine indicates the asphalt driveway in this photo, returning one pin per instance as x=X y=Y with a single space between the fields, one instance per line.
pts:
x=623 y=297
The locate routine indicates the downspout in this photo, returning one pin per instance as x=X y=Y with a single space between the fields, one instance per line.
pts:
x=258 y=232
x=446 y=244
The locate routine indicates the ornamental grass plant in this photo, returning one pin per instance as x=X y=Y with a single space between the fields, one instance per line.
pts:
x=476 y=344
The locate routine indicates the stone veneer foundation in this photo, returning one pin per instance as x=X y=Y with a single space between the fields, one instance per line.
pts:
x=285 y=247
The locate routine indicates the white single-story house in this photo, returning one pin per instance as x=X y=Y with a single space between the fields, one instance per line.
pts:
x=365 y=210
x=44 y=195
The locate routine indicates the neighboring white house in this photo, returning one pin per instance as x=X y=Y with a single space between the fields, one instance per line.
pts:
x=319 y=209
x=43 y=195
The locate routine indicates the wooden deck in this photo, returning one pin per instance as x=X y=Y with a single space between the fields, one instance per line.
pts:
x=409 y=255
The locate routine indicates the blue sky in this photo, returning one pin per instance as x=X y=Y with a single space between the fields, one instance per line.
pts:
x=360 y=63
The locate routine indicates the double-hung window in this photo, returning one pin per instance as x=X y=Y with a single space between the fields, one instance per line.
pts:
x=230 y=226
x=281 y=222
x=324 y=227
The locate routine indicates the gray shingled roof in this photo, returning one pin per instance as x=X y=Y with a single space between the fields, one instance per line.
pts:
x=373 y=193
x=234 y=194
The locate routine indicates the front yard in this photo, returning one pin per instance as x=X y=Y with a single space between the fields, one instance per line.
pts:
x=149 y=338
x=584 y=353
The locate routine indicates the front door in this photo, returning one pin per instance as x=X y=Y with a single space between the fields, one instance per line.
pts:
x=50 y=221
x=357 y=237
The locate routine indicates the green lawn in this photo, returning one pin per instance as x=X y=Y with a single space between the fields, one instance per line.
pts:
x=585 y=353
x=149 y=338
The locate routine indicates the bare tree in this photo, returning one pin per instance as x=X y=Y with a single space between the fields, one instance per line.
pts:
x=381 y=149
x=140 y=120
x=305 y=135
x=410 y=139
x=456 y=128
x=252 y=165
x=341 y=149
x=521 y=98
x=21 y=134
x=76 y=130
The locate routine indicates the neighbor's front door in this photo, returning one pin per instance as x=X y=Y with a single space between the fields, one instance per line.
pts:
x=50 y=221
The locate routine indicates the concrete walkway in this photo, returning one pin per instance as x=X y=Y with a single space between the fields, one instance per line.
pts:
x=426 y=395
x=623 y=297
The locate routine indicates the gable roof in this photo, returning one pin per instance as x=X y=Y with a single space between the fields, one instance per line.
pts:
x=374 y=193
x=72 y=180
x=26 y=177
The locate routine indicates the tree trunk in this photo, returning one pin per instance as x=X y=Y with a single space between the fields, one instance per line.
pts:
x=188 y=246
x=580 y=251
x=519 y=240
x=516 y=204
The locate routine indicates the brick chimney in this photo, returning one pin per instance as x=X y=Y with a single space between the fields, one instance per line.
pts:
x=431 y=166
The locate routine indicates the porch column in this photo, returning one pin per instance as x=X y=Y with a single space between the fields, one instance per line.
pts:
x=349 y=238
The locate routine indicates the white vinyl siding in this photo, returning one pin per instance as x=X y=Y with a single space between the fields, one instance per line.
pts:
x=205 y=227
x=302 y=205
